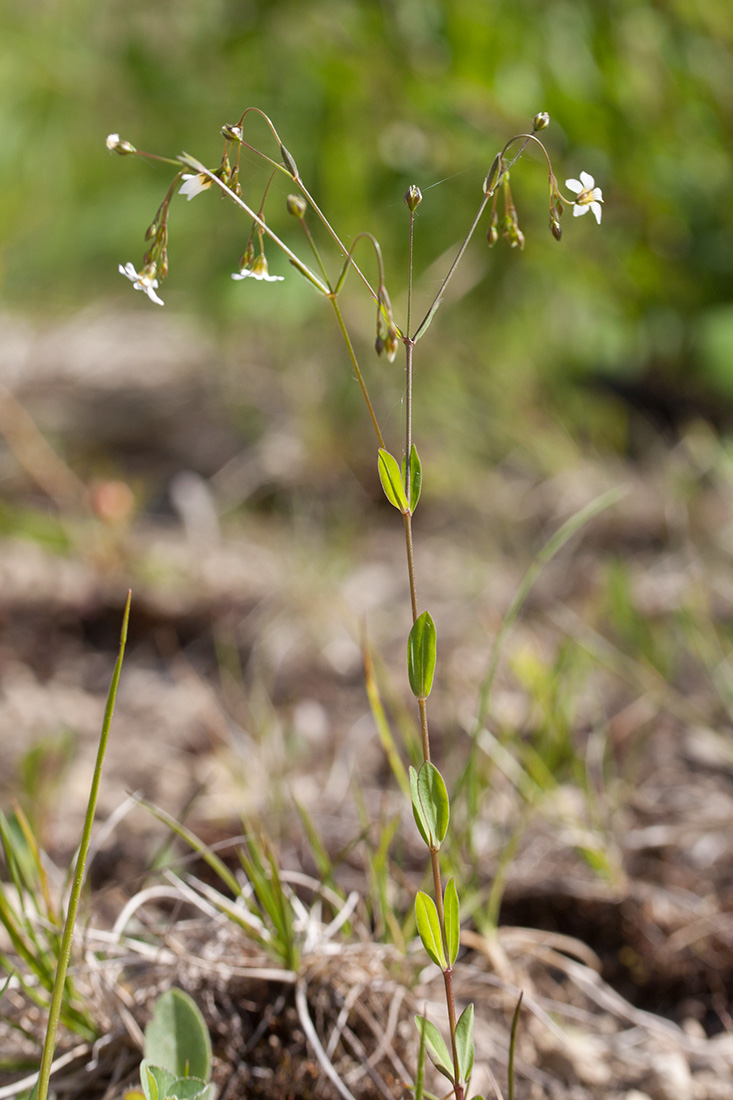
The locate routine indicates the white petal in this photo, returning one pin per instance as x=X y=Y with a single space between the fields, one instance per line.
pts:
x=152 y=295
x=194 y=185
x=112 y=140
x=588 y=181
x=579 y=210
x=128 y=271
x=574 y=185
x=597 y=211
x=242 y=274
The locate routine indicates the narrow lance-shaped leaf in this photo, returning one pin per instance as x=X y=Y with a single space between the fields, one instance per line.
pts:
x=391 y=479
x=428 y=926
x=434 y=804
x=464 y=1043
x=437 y=1050
x=421 y=655
x=415 y=477
x=452 y=917
x=421 y=819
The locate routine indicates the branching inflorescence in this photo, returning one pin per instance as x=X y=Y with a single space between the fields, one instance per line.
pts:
x=437 y=915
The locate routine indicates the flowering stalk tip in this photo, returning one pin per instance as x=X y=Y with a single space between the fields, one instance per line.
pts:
x=144 y=280
x=256 y=269
x=587 y=196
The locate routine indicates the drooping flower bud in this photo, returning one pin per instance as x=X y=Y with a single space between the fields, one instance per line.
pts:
x=115 y=144
x=391 y=343
x=555 y=228
x=297 y=206
x=231 y=133
x=540 y=121
x=413 y=197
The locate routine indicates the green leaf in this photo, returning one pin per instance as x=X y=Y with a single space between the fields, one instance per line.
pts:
x=437 y=1050
x=464 y=1043
x=451 y=913
x=428 y=926
x=418 y=813
x=391 y=479
x=421 y=654
x=415 y=477
x=177 y=1037
x=430 y=804
x=187 y=1088
x=156 y=1080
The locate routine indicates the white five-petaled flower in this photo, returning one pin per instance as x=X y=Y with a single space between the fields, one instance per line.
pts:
x=194 y=184
x=257 y=270
x=588 y=196
x=142 y=280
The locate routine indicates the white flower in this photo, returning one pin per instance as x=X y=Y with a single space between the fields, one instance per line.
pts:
x=194 y=185
x=257 y=270
x=142 y=280
x=588 y=196
x=112 y=141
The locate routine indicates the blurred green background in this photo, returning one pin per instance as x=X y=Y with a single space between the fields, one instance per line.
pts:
x=372 y=96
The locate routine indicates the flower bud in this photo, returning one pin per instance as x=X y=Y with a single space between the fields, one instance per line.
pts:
x=492 y=236
x=231 y=133
x=151 y=231
x=413 y=198
x=391 y=343
x=289 y=163
x=379 y=345
x=555 y=228
x=494 y=172
x=540 y=121
x=115 y=144
x=297 y=206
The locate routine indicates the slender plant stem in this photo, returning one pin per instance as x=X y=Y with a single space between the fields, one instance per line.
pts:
x=357 y=370
x=57 y=996
x=451 y=271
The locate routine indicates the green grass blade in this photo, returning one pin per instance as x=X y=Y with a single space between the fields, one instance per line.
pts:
x=59 y=988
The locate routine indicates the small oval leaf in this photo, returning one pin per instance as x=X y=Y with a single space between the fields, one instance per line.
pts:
x=421 y=655
x=464 y=1043
x=391 y=479
x=177 y=1037
x=428 y=925
x=451 y=912
x=434 y=802
x=437 y=1050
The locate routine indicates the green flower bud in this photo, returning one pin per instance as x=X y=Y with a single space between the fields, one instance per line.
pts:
x=391 y=343
x=289 y=162
x=231 y=133
x=115 y=144
x=297 y=206
x=540 y=121
x=151 y=231
x=494 y=172
x=413 y=198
